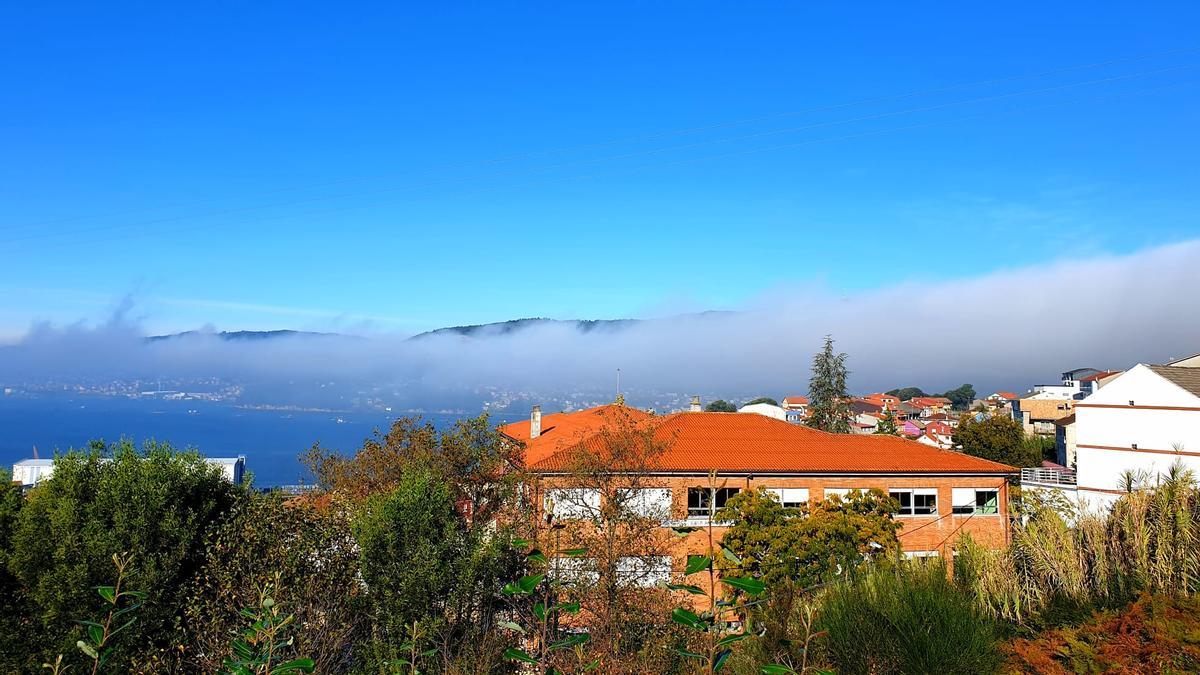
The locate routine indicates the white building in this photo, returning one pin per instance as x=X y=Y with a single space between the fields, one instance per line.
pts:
x=765 y=409
x=33 y=471
x=1140 y=422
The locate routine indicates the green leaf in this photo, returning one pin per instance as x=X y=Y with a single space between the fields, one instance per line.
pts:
x=530 y=582
x=243 y=649
x=731 y=556
x=746 y=584
x=301 y=665
x=577 y=639
x=573 y=552
x=694 y=590
x=520 y=543
x=683 y=531
x=87 y=649
x=96 y=633
x=776 y=669
x=512 y=626
x=107 y=592
x=690 y=655
x=687 y=618
x=514 y=654
x=512 y=589
x=696 y=563
x=592 y=665
x=539 y=610
x=568 y=607
x=536 y=556
x=730 y=639
x=722 y=657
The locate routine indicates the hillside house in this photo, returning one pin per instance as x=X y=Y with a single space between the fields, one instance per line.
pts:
x=942 y=495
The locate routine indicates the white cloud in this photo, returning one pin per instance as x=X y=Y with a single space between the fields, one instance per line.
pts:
x=1008 y=329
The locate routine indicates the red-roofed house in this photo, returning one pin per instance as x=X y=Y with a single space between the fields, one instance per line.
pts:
x=942 y=494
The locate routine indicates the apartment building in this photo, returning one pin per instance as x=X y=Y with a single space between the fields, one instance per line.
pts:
x=942 y=494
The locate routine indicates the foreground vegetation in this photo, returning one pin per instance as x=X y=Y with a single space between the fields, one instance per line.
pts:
x=421 y=554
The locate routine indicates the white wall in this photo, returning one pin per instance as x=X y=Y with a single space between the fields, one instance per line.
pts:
x=1124 y=426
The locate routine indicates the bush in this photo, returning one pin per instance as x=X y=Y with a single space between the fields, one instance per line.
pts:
x=998 y=438
x=908 y=620
x=157 y=504
x=1155 y=634
x=316 y=561
x=429 y=576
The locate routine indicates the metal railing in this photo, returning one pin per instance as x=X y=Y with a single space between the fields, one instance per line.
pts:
x=1048 y=476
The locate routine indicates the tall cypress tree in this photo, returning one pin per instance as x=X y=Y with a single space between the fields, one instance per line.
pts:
x=828 y=402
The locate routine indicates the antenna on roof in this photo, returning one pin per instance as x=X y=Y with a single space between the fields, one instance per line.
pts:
x=35 y=452
x=620 y=399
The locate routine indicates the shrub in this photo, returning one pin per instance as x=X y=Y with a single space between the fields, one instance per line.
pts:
x=911 y=619
x=157 y=505
x=316 y=561
x=1055 y=572
x=428 y=574
x=1155 y=634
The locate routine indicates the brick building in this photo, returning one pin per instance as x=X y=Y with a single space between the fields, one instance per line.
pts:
x=942 y=494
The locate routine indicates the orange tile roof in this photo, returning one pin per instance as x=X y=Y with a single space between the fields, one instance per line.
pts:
x=699 y=442
x=568 y=429
x=795 y=400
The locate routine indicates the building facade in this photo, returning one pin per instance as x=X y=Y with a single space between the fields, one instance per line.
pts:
x=942 y=495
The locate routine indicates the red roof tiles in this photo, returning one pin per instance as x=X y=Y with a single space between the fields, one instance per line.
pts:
x=699 y=442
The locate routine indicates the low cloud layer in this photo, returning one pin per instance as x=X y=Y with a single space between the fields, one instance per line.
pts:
x=1003 y=330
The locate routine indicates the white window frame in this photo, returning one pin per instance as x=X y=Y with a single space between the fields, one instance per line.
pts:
x=574 y=570
x=712 y=498
x=842 y=492
x=790 y=497
x=572 y=503
x=966 y=501
x=648 y=502
x=644 y=571
x=921 y=555
x=913 y=493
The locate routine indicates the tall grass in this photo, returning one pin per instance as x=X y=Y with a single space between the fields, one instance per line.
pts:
x=1149 y=541
x=907 y=619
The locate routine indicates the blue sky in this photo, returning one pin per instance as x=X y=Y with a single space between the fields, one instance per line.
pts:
x=395 y=167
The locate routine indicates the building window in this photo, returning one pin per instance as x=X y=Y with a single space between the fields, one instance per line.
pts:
x=840 y=492
x=915 y=501
x=574 y=570
x=702 y=501
x=644 y=571
x=792 y=498
x=646 y=502
x=921 y=555
x=976 y=501
x=572 y=503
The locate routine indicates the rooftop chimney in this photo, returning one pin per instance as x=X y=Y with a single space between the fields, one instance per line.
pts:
x=535 y=422
x=696 y=404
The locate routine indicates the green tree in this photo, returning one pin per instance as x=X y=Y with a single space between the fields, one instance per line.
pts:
x=157 y=504
x=828 y=402
x=764 y=399
x=312 y=551
x=428 y=575
x=887 y=425
x=806 y=545
x=999 y=438
x=720 y=405
x=15 y=613
x=961 y=396
x=905 y=393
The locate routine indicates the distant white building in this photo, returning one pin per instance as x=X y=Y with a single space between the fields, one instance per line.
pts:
x=765 y=409
x=34 y=471
x=1140 y=422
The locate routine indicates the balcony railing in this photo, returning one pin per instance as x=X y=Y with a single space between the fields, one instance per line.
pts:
x=1063 y=477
